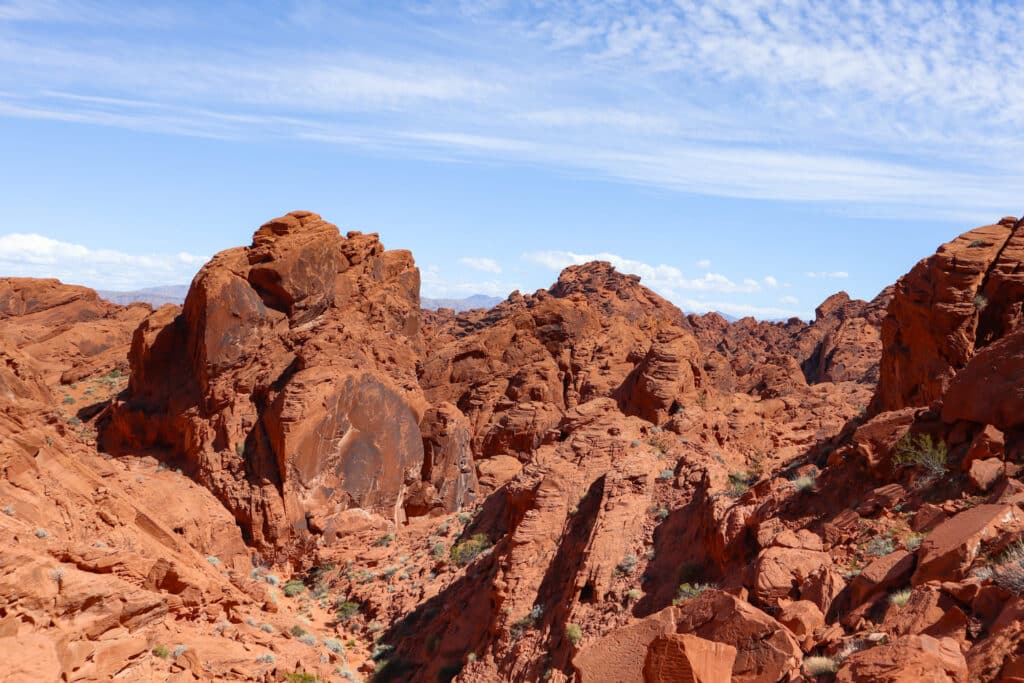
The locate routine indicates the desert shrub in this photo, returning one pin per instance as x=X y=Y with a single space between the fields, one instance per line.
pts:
x=297 y=631
x=161 y=651
x=271 y=579
x=739 y=483
x=57 y=574
x=1008 y=572
x=9 y=510
x=215 y=561
x=42 y=533
x=293 y=587
x=665 y=475
x=628 y=564
x=634 y=594
x=913 y=541
x=179 y=651
x=920 y=451
x=381 y=651
x=880 y=546
x=688 y=591
x=266 y=628
x=467 y=551
x=980 y=302
x=464 y=518
x=901 y=597
x=521 y=626
x=308 y=639
x=266 y=659
x=347 y=609
x=820 y=666
x=334 y=645
x=301 y=677
x=439 y=551
x=574 y=633
x=804 y=484
x=976 y=243
x=662 y=514
x=384 y=541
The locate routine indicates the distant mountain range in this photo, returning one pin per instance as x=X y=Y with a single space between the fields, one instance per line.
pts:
x=154 y=296
x=469 y=303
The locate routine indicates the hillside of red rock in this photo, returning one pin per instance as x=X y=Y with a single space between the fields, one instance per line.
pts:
x=299 y=471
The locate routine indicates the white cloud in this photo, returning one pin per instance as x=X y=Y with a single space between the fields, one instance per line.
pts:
x=828 y=275
x=735 y=309
x=34 y=255
x=704 y=264
x=487 y=265
x=771 y=281
x=435 y=284
x=663 y=278
x=789 y=300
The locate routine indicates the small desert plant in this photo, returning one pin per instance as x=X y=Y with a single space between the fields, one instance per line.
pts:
x=271 y=579
x=880 y=546
x=9 y=510
x=292 y=588
x=662 y=514
x=980 y=302
x=42 y=533
x=161 y=651
x=308 y=639
x=215 y=561
x=574 y=633
x=820 y=666
x=301 y=677
x=266 y=628
x=381 y=651
x=57 y=574
x=913 y=541
x=804 y=484
x=266 y=659
x=1009 y=570
x=628 y=564
x=521 y=626
x=334 y=645
x=439 y=552
x=739 y=483
x=464 y=518
x=688 y=591
x=467 y=551
x=633 y=594
x=901 y=597
x=921 y=451
x=179 y=651
x=297 y=631
x=976 y=243
x=346 y=610
x=665 y=475
x=384 y=541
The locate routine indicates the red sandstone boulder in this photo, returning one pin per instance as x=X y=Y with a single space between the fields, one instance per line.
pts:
x=682 y=658
x=990 y=390
x=765 y=650
x=910 y=659
x=948 y=551
x=941 y=313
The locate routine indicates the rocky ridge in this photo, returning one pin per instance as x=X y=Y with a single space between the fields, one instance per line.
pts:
x=299 y=470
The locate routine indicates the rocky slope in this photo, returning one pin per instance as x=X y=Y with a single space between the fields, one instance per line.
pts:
x=300 y=470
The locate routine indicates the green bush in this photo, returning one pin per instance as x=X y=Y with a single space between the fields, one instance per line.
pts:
x=628 y=564
x=301 y=677
x=467 y=551
x=161 y=651
x=297 y=631
x=901 y=597
x=574 y=633
x=688 y=591
x=1009 y=570
x=920 y=451
x=347 y=609
x=293 y=587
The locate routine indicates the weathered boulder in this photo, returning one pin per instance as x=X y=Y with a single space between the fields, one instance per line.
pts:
x=948 y=551
x=909 y=659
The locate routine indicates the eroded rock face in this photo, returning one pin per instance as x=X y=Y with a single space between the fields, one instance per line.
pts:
x=288 y=379
x=965 y=297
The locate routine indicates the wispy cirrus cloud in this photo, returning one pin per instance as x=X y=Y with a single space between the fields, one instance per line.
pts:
x=763 y=99
x=828 y=275
x=487 y=265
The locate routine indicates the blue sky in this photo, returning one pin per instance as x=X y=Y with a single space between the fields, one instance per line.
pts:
x=744 y=155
